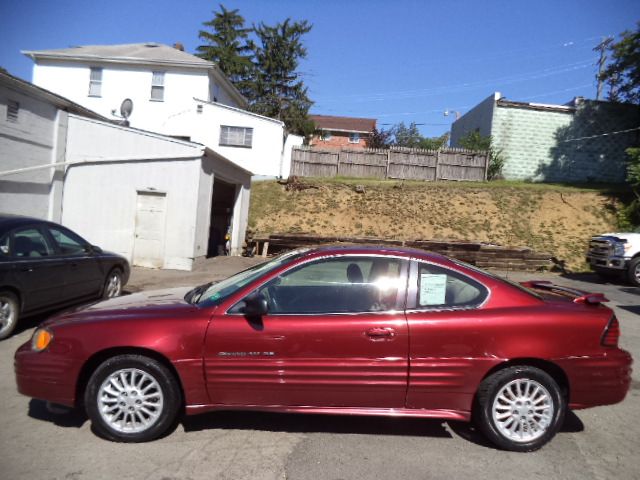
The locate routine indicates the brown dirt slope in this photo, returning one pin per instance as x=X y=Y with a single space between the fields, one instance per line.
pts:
x=551 y=218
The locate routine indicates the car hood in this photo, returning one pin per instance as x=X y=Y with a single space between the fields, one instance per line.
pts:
x=629 y=236
x=154 y=303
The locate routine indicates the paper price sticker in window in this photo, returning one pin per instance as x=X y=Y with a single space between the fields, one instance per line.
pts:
x=433 y=288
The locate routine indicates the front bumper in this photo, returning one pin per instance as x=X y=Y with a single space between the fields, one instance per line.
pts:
x=609 y=263
x=46 y=376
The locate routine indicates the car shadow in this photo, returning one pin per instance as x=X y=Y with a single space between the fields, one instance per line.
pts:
x=590 y=277
x=68 y=418
x=308 y=423
x=631 y=308
x=471 y=433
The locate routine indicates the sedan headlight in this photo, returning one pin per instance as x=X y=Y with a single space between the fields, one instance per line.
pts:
x=41 y=339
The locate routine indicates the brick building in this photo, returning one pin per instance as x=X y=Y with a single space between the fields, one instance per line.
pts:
x=341 y=132
x=581 y=141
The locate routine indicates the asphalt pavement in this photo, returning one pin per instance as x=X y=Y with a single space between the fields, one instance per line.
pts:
x=598 y=443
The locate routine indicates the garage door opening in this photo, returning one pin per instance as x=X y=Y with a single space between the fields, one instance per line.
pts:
x=222 y=202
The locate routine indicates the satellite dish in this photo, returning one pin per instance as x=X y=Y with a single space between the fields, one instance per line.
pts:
x=126 y=107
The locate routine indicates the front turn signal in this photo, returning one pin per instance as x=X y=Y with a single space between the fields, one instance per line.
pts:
x=41 y=339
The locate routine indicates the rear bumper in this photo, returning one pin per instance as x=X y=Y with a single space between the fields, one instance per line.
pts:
x=598 y=380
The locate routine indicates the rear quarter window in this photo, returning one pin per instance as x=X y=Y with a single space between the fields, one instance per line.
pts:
x=440 y=287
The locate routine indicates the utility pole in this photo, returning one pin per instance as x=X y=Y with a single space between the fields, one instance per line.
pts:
x=602 y=48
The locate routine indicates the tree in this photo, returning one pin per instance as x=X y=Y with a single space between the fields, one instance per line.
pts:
x=227 y=44
x=622 y=74
x=277 y=90
x=434 y=143
x=406 y=136
x=477 y=142
x=379 y=138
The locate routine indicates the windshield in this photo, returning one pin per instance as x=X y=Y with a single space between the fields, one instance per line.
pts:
x=213 y=293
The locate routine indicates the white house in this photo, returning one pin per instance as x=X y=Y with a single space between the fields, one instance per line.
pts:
x=159 y=201
x=159 y=79
x=173 y=93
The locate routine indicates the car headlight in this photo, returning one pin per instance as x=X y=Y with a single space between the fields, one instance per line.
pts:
x=41 y=339
x=619 y=248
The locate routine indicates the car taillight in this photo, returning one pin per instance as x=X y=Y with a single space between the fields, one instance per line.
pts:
x=611 y=333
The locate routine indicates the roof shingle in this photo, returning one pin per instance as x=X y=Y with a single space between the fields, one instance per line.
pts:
x=347 y=124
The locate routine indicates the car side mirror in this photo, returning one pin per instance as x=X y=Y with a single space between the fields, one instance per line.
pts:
x=255 y=305
x=93 y=249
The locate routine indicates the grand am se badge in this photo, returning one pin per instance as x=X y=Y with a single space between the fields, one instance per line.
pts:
x=246 y=354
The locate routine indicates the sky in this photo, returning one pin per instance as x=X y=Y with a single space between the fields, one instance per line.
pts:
x=395 y=61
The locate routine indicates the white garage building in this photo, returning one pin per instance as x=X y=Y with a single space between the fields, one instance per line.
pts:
x=159 y=201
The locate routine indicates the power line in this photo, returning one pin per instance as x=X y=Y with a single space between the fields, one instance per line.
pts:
x=408 y=94
x=600 y=135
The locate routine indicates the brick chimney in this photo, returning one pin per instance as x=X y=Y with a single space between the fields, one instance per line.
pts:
x=178 y=46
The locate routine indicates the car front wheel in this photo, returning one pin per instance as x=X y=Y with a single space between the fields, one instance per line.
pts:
x=9 y=311
x=132 y=398
x=520 y=408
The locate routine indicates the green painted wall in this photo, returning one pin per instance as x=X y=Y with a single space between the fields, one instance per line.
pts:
x=547 y=145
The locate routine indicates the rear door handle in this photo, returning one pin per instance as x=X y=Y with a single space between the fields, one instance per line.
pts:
x=380 y=332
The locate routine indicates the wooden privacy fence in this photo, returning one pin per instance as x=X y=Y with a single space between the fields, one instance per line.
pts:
x=396 y=163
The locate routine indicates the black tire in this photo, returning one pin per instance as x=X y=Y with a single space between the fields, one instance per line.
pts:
x=9 y=313
x=112 y=284
x=508 y=378
x=633 y=274
x=164 y=416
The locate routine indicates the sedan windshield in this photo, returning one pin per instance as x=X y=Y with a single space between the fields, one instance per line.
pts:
x=213 y=293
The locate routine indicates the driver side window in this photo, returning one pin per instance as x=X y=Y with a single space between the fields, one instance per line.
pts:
x=336 y=285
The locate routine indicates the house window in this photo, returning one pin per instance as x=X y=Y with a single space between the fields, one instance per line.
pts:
x=236 y=136
x=13 y=109
x=157 y=86
x=326 y=135
x=354 y=138
x=95 y=82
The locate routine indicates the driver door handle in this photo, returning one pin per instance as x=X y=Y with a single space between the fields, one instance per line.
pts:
x=380 y=332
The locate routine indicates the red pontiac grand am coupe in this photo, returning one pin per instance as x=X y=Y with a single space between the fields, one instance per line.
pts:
x=340 y=330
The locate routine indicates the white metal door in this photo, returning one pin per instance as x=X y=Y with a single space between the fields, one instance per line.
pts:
x=148 y=248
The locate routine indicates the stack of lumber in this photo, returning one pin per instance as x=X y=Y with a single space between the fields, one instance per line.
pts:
x=476 y=253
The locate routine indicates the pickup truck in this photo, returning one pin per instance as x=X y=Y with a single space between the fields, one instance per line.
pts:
x=616 y=254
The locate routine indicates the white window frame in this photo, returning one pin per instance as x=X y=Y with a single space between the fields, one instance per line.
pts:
x=233 y=136
x=326 y=135
x=354 y=137
x=157 y=85
x=95 y=81
x=13 y=111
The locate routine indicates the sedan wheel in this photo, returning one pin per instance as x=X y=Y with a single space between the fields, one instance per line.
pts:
x=113 y=284
x=132 y=398
x=9 y=310
x=520 y=408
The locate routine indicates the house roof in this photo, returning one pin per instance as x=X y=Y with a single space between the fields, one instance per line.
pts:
x=149 y=52
x=343 y=124
x=28 y=88
x=503 y=102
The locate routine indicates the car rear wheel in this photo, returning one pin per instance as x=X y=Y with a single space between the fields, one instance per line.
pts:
x=634 y=271
x=520 y=408
x=113 y=284
x=132 y=398
x=9 y=311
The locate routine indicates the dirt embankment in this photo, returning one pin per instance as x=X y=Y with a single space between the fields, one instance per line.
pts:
x=549 y=218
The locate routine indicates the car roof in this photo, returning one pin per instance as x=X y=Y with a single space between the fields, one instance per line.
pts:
x=8 y=221
x=370 y=249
